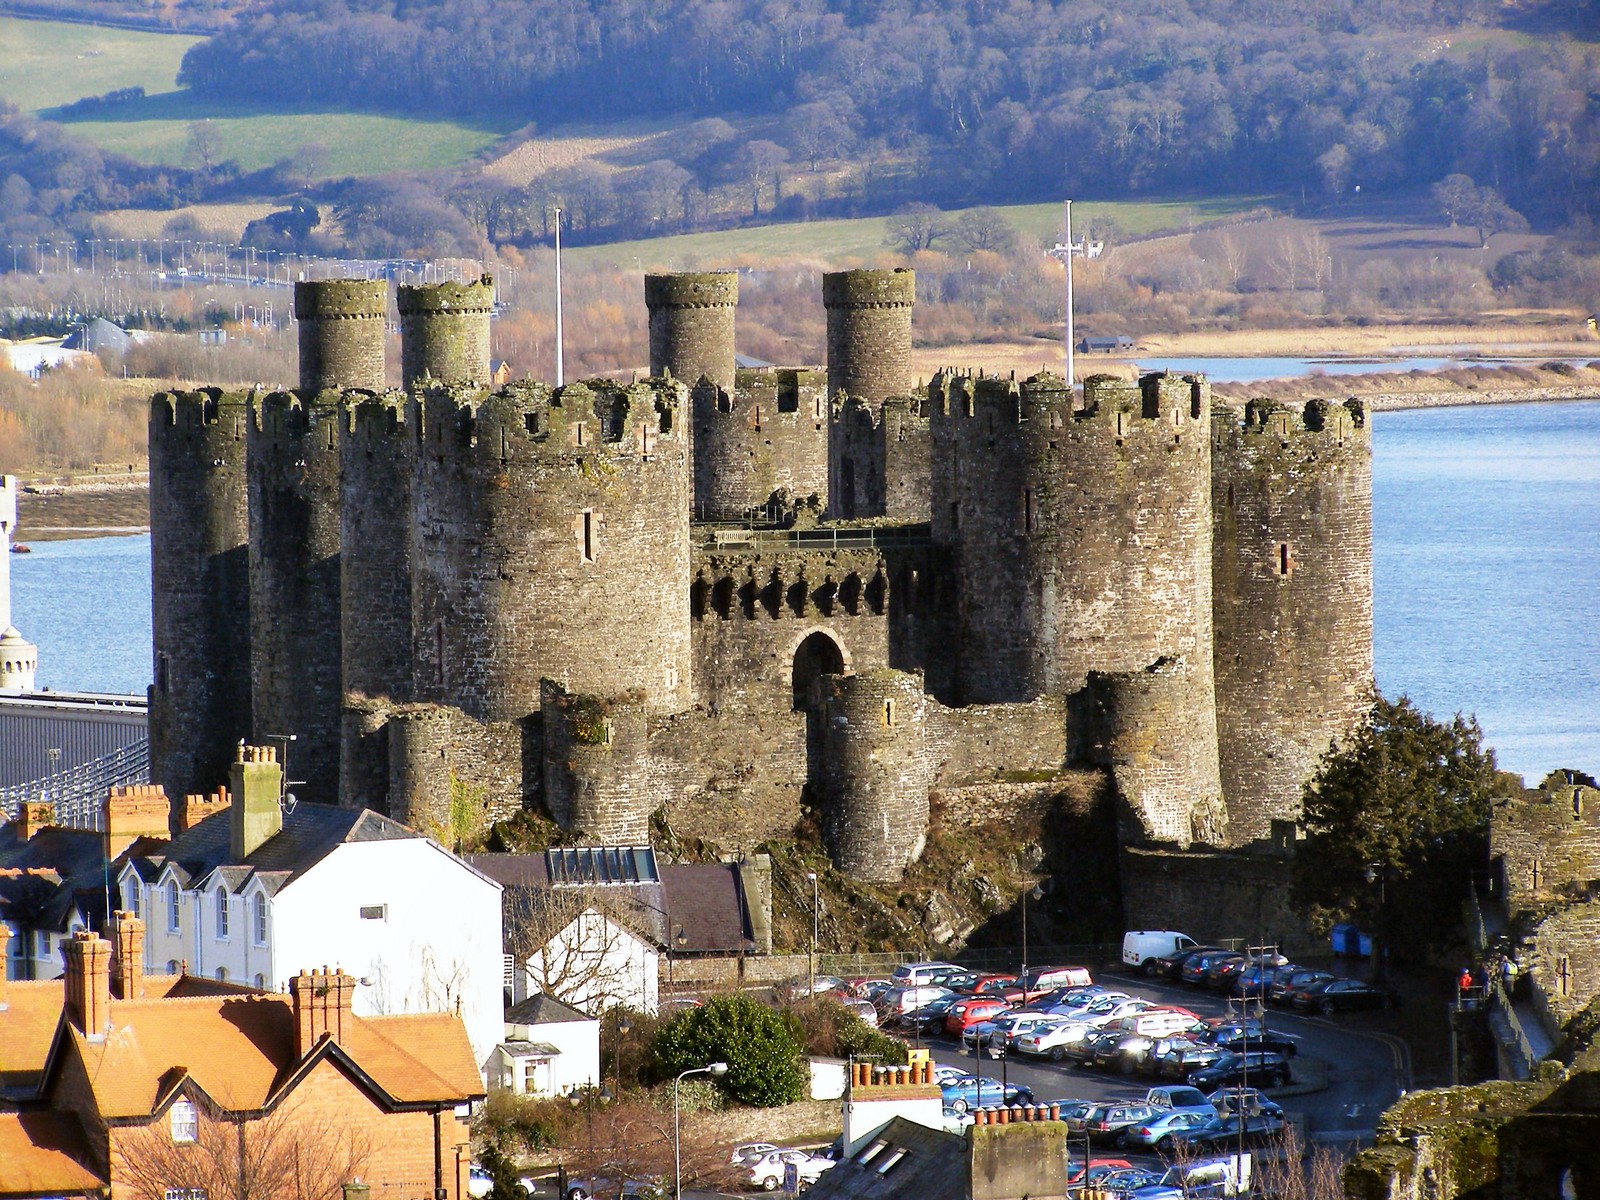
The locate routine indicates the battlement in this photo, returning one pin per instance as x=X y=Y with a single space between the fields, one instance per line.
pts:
x=373 y=418
x=476 y=297
x=341 y=299
x=287 y=417
x=692 y=289
x=801 y=390
x=1268 y=420
x=870 y=289
x=896 y=414
x=207 y=407
x=595 y=417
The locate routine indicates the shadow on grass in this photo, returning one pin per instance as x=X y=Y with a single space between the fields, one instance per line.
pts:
x=184 y=105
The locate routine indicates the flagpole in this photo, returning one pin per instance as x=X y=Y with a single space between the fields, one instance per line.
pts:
x=1070 y=346
x=561 y=374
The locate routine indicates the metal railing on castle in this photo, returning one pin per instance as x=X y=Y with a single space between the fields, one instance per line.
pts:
x=78 y=793
x=1499 y=1002
x=849 y=537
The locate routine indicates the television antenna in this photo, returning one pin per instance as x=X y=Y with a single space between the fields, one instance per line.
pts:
x=287 y=800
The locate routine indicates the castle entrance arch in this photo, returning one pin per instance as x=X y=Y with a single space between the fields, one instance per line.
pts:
x=817 y=655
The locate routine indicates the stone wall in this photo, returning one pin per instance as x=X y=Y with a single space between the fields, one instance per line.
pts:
x=770 y=434
x=598 y=781
x=733 y=777
x=341 y=324
x=1394 y=401
x=1562 y=958
x=1216 y=895
x=1021 y=742
x=444 y=332
x=1546 y=843
x=199 y=587
x=435 y=750
x=1291 y=498
x=879 y=459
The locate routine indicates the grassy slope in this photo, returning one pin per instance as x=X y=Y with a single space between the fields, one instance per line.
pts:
x=864 y=238
x=48 y=64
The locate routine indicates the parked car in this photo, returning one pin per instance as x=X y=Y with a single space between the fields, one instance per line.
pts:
x=943 y=1073
x=1107 y=1122
x=973 y=1092
x=1223 y=971
x=1195 y=967
x=1230 y=1131
x=643 y=1189
x=1139 y=946
x=960 y=981
x=749 y=1152
x=1258 y=976
x=822 y=985
x=1093 y=1041
x=1170 y=966
x=767 y=1172
x=918 y=973
x=1158 y=1130
x=928 y=1019
x=907 y=999
x=969 y=1011
x=1000 y=1032
x=1281 y=985
x=870 y=989
x=1072 y=1113
x=479 y=1182
x=864 y=1009
x=1096 y=1170
x=1054 y=1041
x=1247 y=1100
x=1337 y=995
x=1278 y=1043
x=1266 y=1068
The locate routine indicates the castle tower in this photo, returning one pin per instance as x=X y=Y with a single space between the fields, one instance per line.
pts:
x=878 y=459
x=691 y=325
x=1292 y=580
x=598 y=780
x=444 y=332
x=294 y=584
x=375 y=464
x=199 y=587
x=1156 y=730
x=1083 y=536
x=551 y=540
x=769 y=434
x=876 y=772
x=869 y=332
x=341 y=330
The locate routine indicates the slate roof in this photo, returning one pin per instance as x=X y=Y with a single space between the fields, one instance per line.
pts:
x=55 y=872
x=933 y=1167
x=309 y=834
x=98 y=334
x=543 y=1009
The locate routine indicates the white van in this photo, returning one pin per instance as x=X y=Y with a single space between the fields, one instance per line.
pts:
x=1157 y=1022
x=1141 y=944
x=918 y=973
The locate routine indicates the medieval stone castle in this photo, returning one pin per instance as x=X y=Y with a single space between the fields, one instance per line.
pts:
x=718 y=594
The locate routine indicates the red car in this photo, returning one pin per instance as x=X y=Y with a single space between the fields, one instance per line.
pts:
x=966 y=1013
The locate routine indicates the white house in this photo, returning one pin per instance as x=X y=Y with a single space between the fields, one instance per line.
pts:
x=550 y=1049
x=593 y=963
x=251 y=894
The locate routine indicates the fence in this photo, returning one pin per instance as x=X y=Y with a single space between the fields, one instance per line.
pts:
x=849 y=537
x=78 y=793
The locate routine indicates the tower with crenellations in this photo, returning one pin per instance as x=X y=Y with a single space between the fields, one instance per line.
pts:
x=724 y=598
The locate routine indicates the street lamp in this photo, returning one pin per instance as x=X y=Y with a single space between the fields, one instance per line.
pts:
x=716 y=1069
x=1378 y=873
x=1035 y=892
x=811 y=961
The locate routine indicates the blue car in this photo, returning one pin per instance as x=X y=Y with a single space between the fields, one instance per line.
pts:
x=970 y=1092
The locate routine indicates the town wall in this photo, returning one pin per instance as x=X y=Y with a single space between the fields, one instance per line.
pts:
x=768 y=435
x=1545 y=843
x=341 y=326
x=734 y=777
x=1562 y=960
x=295 y=614
x=452 y=775
x=200 y=586
x=1292 y=597
x=869 y=332
x=597 y=777
x=692 y=326
x=444 y=332
x=1219 y=895
x=879 y=459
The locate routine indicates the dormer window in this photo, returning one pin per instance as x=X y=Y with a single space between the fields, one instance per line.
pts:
x=185 y=1123
x=130 y=898
x=222 y=913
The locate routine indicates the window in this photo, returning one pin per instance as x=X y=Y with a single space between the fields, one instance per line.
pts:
x=1284 y=561
x=130 y=898
x=1030 y=514
x=172 y=908
x=261 y=918
x=375 y=912
x=261 y=982
x=893 y=1160
x=588 y=536
x=222 y=913
x=172 y=966
x=222 y=974
x=185 y=1122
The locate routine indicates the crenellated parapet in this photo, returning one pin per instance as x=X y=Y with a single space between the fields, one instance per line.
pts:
x=342 y=327
x=878 y=458
x=199 y=585
x=769 y=435
x=444 y=332
x=1545 y=842
x=1291 y=494
x=550 y=540
x=295 y=611
x=692 y=326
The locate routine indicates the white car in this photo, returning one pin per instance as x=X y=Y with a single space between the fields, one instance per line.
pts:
x=768 y=1171
x=748 y=1152
x=1053 y=1040
x=864 y=1009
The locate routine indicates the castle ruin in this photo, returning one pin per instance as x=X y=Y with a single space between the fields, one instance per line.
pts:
x=717 y=595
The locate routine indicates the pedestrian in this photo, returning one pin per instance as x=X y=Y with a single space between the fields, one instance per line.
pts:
x=1464 y=984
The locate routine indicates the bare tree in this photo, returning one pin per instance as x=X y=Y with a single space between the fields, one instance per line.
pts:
x=288 y=1154
x=203 y=149
x=757 y=164
x=985 y=229
x=916 y=227
x=576 y=945
x=1230 y=252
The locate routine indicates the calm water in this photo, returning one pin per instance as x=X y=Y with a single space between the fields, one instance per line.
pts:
x=1254 y=370
x=1486 y=523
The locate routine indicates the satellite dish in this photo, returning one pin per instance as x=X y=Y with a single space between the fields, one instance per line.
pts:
x=288 y=801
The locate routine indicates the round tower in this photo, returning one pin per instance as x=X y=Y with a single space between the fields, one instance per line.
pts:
x=19 y=661
x=551 y=540
x=419 y=738
x=691 y=325
x=869 y=332
x=876 y=772
x=769 y=434
x=341 y=331
x=294 y=585
x=199 y=587
x=598 y=781
x=1156 y=730
x=1084 y=535
x=1292 y=572
x=444 y=332
x=375 y=586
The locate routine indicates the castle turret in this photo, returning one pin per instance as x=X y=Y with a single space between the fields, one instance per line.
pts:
x=199 y=587
x=876 y=772
x=444 y=332
x=598 y=780
x=869 y=332
x=1292 y=578
x=295 y=622
x=375 y=465
x=878 y=459
x=551 y=540
x=341 y=330
x=769 y=434
x=691 y=325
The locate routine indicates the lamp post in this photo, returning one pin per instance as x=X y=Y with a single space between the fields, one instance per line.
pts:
x=577 y=1097
x=1035 y=892
x=1378 y=873
x=811 y=961
x=716 y=1069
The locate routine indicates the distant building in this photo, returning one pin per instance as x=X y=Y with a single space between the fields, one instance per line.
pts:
x=550 y=1049
x=1105 y=345
x=98 y=336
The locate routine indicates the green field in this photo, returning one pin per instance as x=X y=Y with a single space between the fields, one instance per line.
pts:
x=48 y=64
x=864 y=238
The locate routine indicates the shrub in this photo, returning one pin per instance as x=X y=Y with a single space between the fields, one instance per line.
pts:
x=828 y=1029
x=761 y=1048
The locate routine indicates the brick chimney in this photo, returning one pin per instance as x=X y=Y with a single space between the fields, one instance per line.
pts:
x=33 y=816
x=188 y=811
x=88 y=981
x=321 y=1005
x=257 y=785
x=134 y=812
x=127 y=958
